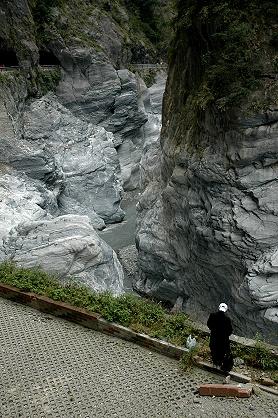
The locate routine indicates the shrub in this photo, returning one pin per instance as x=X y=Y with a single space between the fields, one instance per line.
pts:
x=48 y=79
x=258 y=356
x=187 y=360
x=130 y=310
x=235 y=46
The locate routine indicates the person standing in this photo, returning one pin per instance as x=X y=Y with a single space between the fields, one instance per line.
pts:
x=220 y=330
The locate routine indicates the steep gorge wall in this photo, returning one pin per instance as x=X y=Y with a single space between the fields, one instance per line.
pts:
x=59 y=182
x=207 y=222
x=65 y=155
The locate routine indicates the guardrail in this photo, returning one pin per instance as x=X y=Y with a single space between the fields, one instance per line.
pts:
x=148 y=66
x=50 y=66
x=18 y=67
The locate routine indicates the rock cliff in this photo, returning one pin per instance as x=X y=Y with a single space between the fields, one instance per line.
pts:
x=207 y=219
x=71 y=136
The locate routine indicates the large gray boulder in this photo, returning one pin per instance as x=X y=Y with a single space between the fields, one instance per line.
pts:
x=67 y=246
x=22 y=200
x=32 y=235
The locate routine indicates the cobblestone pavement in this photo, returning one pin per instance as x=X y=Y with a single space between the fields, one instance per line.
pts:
x=53 y=368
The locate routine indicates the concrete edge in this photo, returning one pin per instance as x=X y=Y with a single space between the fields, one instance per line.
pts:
x=96 y=322
x=89 y=320
x=268 y=389
x=241 y=378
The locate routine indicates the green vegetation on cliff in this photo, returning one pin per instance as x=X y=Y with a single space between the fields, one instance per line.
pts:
x=138 y=24
x=41 y=82
x=129 y=310
x=153 y=18
x=232 y=49
x=47 y=80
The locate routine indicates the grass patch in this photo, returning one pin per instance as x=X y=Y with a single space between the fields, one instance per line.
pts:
x=141 y=315
x=128 y=310
x=259 y=356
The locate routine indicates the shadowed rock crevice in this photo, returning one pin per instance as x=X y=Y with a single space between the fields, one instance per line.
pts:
x=8 y=56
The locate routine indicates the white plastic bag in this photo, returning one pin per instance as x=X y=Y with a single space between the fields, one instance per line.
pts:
x=190 y=342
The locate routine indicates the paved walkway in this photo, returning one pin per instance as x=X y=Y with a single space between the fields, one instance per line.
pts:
x=53 y=368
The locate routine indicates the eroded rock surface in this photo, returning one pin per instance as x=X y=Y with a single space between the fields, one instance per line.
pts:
x=67 y=246
x=207 y=219
x=73 y=152
x=84 y=158
x=32 y=234
x=209 y=232
x=53 y=163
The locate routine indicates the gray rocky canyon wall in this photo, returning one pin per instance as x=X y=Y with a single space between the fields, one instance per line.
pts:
x=67 y=156
x=59 y=183
x=207 y=228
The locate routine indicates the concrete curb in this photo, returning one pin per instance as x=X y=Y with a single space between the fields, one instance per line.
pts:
x=241 y=378
x=90 y=320
x=96 y=322
x=268 y=389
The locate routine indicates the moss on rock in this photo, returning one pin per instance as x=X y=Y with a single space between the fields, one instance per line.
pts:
x=234 y=48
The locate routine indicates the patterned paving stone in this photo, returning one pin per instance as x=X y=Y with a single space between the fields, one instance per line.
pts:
x=53 y=368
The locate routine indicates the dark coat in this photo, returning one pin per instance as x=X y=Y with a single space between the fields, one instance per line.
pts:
x=221 y=328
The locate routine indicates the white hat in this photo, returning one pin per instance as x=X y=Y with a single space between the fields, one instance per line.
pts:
x=223 y=307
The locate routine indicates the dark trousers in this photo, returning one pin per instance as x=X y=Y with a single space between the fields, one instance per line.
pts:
x=221 y=353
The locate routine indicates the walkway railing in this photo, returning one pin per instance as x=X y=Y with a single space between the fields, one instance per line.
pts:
x=158 y=66
x=134 y=66
x=18 y=67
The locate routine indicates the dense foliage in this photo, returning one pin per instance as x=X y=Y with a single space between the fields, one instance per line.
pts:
x=42 y=9
x=234 y=44
x=146 y=13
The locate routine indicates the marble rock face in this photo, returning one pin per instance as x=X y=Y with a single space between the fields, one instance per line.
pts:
x=54 y=164
x=208 y=226
x=31 y=234
x=93 y=90
x=66 y=246
x=75 y=158
x=134 y=147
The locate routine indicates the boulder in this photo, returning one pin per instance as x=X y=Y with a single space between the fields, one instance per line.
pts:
x=67 y=247
x=22 y=200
